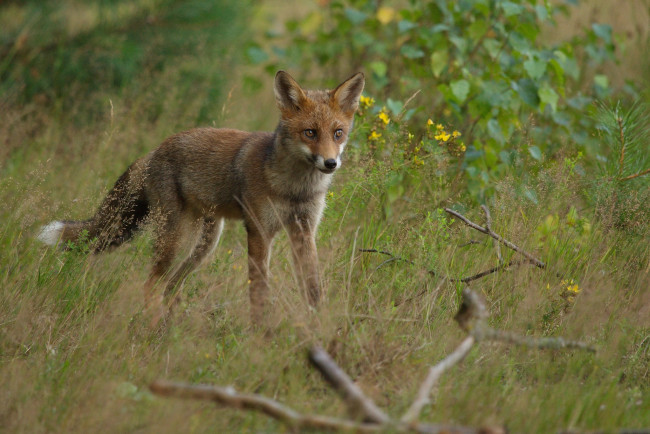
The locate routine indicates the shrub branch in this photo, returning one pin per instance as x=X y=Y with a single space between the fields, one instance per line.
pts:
x=499 y=238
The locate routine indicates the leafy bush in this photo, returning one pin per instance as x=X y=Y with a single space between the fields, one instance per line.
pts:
x=478 y=65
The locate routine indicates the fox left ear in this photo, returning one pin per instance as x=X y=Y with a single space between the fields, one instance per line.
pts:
x=288 y=93
x=347 y=94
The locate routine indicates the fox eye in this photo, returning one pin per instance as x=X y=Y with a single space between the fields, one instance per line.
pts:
x=310 y=133
x=338 y=133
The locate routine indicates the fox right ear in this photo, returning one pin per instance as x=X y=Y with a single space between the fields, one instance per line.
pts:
x=288 y=93
x=347 y=94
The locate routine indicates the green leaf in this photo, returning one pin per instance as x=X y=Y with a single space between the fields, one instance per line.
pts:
x=527 y=90
x=603 y=31
x=411 y=52
x=394 y=106
x=494 y=130
x=535 y=152
x=405 y=26
x=510 y=8
x=601 y=80
x=379 y=68
x=535 y=68
x=477 y=29
x=355 y=16
x=256 y=55
x=547 y=96
x=460 y=89
x=439 y=60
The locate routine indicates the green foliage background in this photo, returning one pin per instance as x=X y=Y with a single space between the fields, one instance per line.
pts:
x=546 y=136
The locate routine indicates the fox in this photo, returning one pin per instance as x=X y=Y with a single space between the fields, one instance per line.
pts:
x=269 y=180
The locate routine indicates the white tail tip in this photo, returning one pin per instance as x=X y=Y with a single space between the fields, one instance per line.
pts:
x=50 y=234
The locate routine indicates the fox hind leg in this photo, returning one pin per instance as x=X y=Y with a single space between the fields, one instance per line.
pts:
x=211 y=229
x=166 y=246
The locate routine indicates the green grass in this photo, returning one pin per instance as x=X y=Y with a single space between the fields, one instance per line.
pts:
x=76 y=354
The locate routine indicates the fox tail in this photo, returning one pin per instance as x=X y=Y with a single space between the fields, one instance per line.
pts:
x=115 y=221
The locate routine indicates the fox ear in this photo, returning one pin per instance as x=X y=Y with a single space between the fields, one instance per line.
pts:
x=347 y=94
x=288 y=93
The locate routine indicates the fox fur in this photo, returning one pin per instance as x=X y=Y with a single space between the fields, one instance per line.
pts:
x=269 y=180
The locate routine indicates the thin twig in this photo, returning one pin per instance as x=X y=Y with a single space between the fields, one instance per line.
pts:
x=488 y=226
x=360 y=406
x=636 y=175
x=497 y=237
x=469 y=243
x=501 y=266
x=435 y=373
x=383 y=252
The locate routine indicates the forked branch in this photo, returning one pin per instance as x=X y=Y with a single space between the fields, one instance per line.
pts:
x=365 y=415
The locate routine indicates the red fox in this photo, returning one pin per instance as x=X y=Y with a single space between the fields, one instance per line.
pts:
x=205 y=175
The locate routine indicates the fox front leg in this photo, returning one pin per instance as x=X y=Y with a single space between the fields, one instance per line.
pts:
x=259 y=250
x=305 y=257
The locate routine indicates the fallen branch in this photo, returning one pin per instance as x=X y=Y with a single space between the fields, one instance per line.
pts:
x=366 y=416
x=361 y=407
x=227 y=396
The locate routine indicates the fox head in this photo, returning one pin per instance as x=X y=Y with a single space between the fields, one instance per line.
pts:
x=314 y=124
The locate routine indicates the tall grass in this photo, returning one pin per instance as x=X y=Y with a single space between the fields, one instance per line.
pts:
x=76 y=354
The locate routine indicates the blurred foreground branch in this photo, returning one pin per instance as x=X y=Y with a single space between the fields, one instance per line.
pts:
x=365 y=416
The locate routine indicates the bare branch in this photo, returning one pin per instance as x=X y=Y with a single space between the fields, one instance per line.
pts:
x=360 y=406
x=497 y=237
x=490 y=334
x=228 y=397
x=502 y=266
x=435 y=373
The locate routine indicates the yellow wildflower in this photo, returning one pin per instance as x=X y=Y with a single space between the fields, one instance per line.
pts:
x=439 y=127
x=442 y=136
x=385 y=15
x=366 y=101
x=331 y=194
x=429 y=122
x=374 y=135
x=384 y=117
x=455 y=134
x=573 y=288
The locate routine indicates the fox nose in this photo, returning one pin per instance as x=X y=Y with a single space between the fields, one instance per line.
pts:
x=330 y=163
